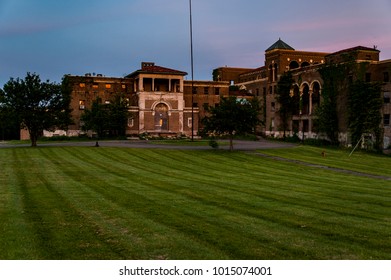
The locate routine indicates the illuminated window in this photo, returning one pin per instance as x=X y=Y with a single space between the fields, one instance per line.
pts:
x=130 y=122
x=82 y=85
x=82 y=104
x=95 y=85
x=108 y=86
x=123 y=86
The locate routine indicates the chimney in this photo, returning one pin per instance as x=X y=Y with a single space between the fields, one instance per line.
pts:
x=147 y=64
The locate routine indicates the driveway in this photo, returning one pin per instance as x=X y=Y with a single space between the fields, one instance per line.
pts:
x=145 y=144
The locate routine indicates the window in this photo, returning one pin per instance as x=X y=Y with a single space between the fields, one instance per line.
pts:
x=108 y=86
x=107 y=101
x=194 y=90
x=387 y=96
x=195 y=104
x=82 y=104
x=273 y=106
x=386 y=77
x=130 y=122
x=95 y=85
x=123 y=86
x=386 y=118
x=189 y=122
x=82 y=85
x=206 y=90
x=217 y=91
x=367 y=77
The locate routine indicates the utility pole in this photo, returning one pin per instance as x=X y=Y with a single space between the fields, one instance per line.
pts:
x=192 y=73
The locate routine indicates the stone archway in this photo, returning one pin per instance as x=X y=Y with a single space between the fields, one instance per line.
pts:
x=161 y=117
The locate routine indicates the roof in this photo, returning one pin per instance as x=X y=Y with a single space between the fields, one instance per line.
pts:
x=279 y=45
x=151 y=68
x=358 y=48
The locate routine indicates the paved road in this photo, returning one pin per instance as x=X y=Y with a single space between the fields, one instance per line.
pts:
x=238 y=145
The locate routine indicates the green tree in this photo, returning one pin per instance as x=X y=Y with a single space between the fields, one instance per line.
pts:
x=37 y=105
x=232 y=116
x=365 y=103
x=96 y=118
x=335 y=85
x=107 y=119
x=285 y=100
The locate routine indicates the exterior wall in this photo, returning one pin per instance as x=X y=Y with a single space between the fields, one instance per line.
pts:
x=205 y=93
x=87 y=89
x=160 y=103
x=262 y=82
x=230 y=74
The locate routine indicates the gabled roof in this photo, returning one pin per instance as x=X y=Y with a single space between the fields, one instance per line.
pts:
x=354 y=49
x=279 y=45
x=151 y=68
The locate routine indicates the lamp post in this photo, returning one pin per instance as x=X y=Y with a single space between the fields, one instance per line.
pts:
x=192 y=73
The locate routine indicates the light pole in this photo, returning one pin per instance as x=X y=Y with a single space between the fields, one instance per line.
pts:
x=192 y=73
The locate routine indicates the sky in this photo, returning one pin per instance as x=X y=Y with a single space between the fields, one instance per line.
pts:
x=57 y=37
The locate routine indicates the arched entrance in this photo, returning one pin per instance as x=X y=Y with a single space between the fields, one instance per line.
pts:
x=161 y=117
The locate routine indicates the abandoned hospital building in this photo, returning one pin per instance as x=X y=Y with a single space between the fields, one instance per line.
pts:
x=161 y=101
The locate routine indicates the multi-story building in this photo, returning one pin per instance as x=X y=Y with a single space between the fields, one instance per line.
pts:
x=162 y=103
x=307 y=88
x=160 y=100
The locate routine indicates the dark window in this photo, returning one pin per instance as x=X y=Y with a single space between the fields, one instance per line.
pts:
x=195 y=104
x=386 y=119
x=367 y=77
x=386 y=77
x=387 y=97
x=217 y=91
x=206 y=90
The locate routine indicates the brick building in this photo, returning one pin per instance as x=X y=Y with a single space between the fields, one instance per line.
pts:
x=160 y=100
x=304 y=66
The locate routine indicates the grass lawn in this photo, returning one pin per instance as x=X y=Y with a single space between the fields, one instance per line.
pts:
x=121 y=203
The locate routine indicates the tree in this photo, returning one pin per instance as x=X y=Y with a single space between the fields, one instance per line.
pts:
x=232 y=116
x=107 y=119
x=37 y=105
x=365 y=103
x=286 y=101
x=334 y=86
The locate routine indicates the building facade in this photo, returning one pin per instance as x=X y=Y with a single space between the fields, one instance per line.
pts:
x=307 y=88
x=163 y=103
x=160 y=101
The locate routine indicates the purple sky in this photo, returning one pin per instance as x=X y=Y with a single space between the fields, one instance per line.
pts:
x=57 y=37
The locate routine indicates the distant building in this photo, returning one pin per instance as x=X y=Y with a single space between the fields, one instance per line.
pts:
x=162 y=103
x=304 y=65
x=159 y=98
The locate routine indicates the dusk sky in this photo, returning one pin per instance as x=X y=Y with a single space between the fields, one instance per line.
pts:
x=57 y=37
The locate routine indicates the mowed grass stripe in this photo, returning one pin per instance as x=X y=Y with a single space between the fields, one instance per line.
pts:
x=144 y=204
x=357 y=161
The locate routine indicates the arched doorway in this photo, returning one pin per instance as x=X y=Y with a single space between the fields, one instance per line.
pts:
x=161 y=117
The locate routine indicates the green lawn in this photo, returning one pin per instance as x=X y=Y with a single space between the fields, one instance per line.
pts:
x=119 y=203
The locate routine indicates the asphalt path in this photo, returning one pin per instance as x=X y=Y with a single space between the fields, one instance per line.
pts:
x=239 y=145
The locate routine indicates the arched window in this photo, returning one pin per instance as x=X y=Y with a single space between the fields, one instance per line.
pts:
x=161 y=117
x=293 y=65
